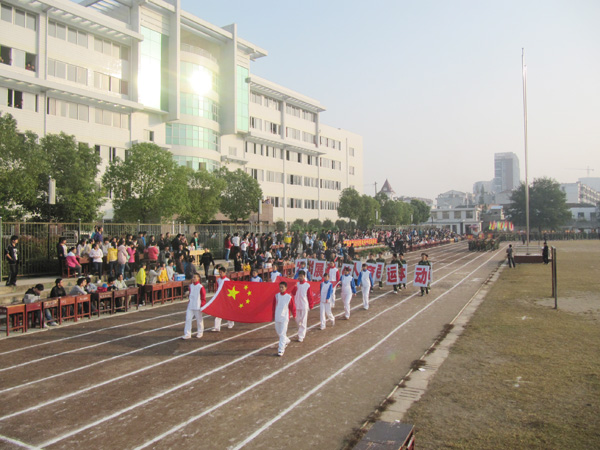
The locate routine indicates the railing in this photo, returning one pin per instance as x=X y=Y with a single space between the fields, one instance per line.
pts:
x=37 y=241
x=197 y=51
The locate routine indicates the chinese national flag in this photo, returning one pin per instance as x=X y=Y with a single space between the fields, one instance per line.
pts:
x=315 y=290
x=244 y=301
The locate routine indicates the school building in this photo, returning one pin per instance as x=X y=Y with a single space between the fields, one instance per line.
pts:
x=114 y=73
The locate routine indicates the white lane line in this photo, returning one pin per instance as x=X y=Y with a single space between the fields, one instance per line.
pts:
x=351 y=363
x=128 y=324
x=163 y=393
x=98 y=344
x=277 y=372
x=16 y=442
x=87 y=366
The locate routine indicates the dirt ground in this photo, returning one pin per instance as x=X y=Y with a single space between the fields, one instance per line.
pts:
x=129 y=381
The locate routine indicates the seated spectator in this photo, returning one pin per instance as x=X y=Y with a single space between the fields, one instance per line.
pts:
x=79 y=289
x=58 y=290
x=151 y=252
x=154 y=273
x=89 y=286
x=72 y=261
x=163 y=275
x=83 y=248
x=170 y=270
x=32 y=295
x=120 y=282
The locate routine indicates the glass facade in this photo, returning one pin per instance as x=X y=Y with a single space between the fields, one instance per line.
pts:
x=196 y=163
x=198 y=78
x=196 y=105
x=192 y=136
x=152 y=77
x=243 y=99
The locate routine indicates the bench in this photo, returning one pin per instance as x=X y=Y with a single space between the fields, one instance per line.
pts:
x=15 y=318
x=84 y=306
x=68 y=308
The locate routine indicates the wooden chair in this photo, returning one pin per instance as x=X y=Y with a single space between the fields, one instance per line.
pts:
x=154 y=293
x=168 y=291
x=104 y=302
x=68 y=308
x=120 y=296
x=212 y=283
x=53 y=305
x=32 y=311
x=133 y=295
x=84 y=306
x=178 y=290
x=15 y=318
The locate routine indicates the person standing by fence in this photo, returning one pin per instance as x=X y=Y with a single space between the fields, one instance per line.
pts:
x=11 y=253
x=510 y=257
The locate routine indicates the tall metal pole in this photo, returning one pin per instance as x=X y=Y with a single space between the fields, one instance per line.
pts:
x=525 y=137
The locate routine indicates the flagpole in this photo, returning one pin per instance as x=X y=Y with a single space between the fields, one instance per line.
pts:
x=524 y=68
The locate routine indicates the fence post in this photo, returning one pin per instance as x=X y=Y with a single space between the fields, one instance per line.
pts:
x=79 y=230
x=138 y=228
x=554 y=278
x=1 y=252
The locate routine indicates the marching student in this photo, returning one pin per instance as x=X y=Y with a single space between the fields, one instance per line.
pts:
x=325 y=305
x=197 y=300
x=301 y=293
x=302 y=268
x=222 y=279
x=379 y=259
x=284 y=307
x=348 y=289
x=276 y=273
x=254 y=276
x=365 y=281
x=334 y=277
x=425 y=262
x=395 y=260
x=402 y=262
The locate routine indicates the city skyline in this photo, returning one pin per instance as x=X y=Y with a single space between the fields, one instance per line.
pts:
x=435 y=89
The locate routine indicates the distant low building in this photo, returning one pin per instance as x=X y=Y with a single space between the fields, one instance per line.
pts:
x=579 y=192
x=462 y=219
x=453 y=199
x=387 y=190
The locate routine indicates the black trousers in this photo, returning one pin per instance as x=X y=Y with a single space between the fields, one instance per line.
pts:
x=12 y=274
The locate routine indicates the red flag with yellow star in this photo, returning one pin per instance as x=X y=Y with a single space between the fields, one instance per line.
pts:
x=243 y=301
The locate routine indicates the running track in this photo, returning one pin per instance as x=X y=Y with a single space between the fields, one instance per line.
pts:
x=129 y=381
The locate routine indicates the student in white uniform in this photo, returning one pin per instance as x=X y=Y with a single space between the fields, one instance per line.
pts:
x=284 y=307
x=276 y=273
x=222 y=279
x=325 y=305
x=197 y=300
x=334 y=278
x=348 y=289
x=365 y=281
x=301 y=301
x=254 y=277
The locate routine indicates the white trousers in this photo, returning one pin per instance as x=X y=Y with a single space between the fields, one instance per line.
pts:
x=332 y=299
x=281 y=329
x=346 y=297
x=301 y=320
x=365 y=294
x=189 y=317
x=218 y=324
x=325 y=311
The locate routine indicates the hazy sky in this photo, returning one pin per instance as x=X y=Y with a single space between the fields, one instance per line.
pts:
x=435 y=87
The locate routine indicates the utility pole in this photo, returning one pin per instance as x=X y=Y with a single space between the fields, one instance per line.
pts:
x=376 y=188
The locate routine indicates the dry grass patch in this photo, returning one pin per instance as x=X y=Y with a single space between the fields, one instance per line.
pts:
x=522 y=375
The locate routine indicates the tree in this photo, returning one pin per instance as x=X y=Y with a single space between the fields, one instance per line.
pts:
x=341 y=224
x=241 y=194
x=22 y=164
x=547 y=205
x=74 y=166
x=315 y=225
x=420 y=211
x=328 y=225
x=204 y=196
x=147 y=186
x=367 y=215
x=350 y=204
x=280 y=225
x=298 y=225
x=396 y=212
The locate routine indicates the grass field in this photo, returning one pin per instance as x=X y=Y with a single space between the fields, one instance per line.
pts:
x=523 y=375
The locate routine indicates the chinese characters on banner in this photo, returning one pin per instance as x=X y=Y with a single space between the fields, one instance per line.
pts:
x=403 y=274
x=392 y=275
x=318 y=270
x=372 y=268
x=311 y=266
x=422 y=276
x=378 y=275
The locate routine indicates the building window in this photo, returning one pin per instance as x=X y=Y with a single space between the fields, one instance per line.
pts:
x=256 y=123
x=256 y=98
x=15 y=99
x=152 y=79
x=351 y=151
x=243 y=98
x=351 y=170
x=112 y=119
x=69 y=34
x=20 y=17
x=196 y=105
x=191 y=136
x=257 y=174
x=294 y=179
x=149 y=135
x=197 y=163
x=469 y=214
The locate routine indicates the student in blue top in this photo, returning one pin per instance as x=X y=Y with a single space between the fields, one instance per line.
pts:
x=326 y=299
x=303 y=269
x=365 y=281
x=255 y=277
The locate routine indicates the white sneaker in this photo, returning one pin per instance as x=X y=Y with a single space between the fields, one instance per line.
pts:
x=332 y=322
x=185 y=337
x=230 y=325
x=199 y=335
x=215 y=330
x=322 y=328
x=279 y=353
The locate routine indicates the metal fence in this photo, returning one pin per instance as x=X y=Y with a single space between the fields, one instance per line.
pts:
x=37 y=241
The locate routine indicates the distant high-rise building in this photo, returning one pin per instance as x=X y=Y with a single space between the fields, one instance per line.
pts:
x=507 y=175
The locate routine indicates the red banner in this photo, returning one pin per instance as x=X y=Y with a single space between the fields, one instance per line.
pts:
x=360 y=242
